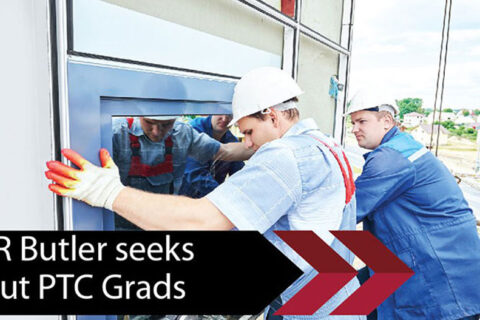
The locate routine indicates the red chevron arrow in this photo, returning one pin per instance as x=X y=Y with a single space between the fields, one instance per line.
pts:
x=390 y=273
x=334 y=273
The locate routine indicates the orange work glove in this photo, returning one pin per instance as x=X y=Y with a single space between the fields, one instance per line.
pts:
x=94 y=185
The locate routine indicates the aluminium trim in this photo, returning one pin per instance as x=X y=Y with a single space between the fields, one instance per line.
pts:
x=135 y=64
x=288 y=62
x=322 y=39
x=61 y=21
x=269 y=11
x=54 y=105
x=281 y=17
x=296 y=39
x=69 y=15
x=344 y=70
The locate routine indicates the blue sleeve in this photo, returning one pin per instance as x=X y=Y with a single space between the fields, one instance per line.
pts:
x=197 y=180
x=256 y=197
x=202 y=147
x=236 y=165
x=386 y=174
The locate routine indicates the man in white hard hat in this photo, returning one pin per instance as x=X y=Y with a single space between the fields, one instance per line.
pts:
x=409 y=200
x=151 y=153
x=294 y=181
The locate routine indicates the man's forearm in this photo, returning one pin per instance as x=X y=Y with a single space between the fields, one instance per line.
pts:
x=233 y=151
x=152 y=211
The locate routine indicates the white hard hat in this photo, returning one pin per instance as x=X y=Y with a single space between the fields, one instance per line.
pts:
x=161 y=117
x=260 y=89
x=365 y=101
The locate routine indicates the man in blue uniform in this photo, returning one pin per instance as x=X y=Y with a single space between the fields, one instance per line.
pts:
x=409 y=200
x=298 y=179
x=201 y=178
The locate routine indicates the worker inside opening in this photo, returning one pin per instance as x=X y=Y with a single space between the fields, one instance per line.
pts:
x=151 y=153
x=202 y=178
x=298 y=179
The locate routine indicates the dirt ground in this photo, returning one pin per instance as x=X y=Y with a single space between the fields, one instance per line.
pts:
x=459 y=155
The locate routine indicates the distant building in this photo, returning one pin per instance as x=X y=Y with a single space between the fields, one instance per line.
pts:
x=462 y=120
x=413 y=119
x=445 y=116
x=424 y=132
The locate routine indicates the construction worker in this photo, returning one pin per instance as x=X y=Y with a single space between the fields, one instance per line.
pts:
x=409 y=200
x=151 y=153
x=201 y=178
x=294 y=181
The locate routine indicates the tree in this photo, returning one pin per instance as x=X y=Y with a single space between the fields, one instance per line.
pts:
x=408 y=105
x=477 y=112
x=466 y=113
x=449 y=124
x=448 y=110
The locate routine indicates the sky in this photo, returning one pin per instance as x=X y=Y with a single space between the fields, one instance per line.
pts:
x=396 y=47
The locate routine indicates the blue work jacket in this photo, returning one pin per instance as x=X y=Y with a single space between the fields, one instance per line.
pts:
x=201 y=178
x=410 y=201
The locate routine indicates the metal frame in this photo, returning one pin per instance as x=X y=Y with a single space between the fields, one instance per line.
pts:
x=296 y=38
x=293 y=28
x=273 y=13
x=54 y=111
x=288 y=58
x=148 y=64
x=64 y=53
x=68 y=11
x=94 y=95
x=323 y=40
x=260 y=7
x=346 y=36
x=62 y=45
x=54 y=108
x=114 y=63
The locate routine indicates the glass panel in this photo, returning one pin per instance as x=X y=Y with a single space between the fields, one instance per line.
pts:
x=316 y=66
x=167 y=154
x=323 y=16
x=188 y=34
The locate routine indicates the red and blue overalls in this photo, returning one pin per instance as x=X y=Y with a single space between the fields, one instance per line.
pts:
x=156 y=167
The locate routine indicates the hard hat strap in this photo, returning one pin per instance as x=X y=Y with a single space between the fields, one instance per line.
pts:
x=280 y=107
x=285 y=106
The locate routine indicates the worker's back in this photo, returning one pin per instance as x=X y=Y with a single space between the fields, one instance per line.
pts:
x=292 y=183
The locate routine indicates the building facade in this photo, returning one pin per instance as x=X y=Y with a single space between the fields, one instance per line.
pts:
x=424 y=132
x=69 y=66
x=413 y=119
